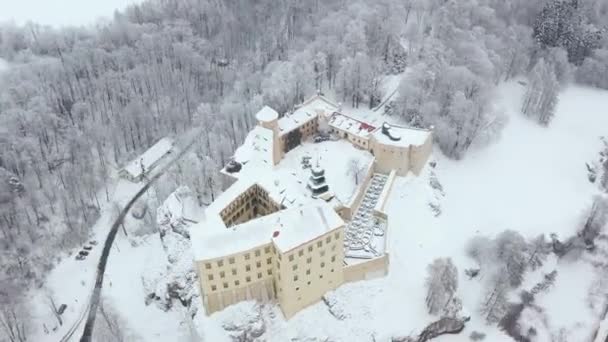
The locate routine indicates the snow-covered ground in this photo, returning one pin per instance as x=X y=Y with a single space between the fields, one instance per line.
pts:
x=532 y=179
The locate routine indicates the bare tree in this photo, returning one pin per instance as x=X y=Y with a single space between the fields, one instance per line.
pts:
x=53 y=307
x=355 y=169
x=13 y=321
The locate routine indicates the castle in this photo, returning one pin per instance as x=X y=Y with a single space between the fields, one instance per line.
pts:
x=291 y=232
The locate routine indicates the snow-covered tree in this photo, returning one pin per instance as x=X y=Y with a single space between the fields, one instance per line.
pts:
x=441 y=284
x=355 y=170
x=494 y=304
x=594 y=70
x=562 y=23
x=511 y=249
x=538 y=250
x=541 y=99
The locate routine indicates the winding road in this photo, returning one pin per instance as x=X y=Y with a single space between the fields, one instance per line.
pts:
x=90 y=311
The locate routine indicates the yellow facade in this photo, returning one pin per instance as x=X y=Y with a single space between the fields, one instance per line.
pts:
x=296 y=278
x=299 y=277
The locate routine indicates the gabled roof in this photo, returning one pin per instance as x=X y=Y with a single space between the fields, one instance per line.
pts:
x=287 y=228
x=350 y=125
x=308 y=111
x=149 y=158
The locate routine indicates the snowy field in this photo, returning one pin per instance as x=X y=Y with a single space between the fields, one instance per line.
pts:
x=532 y=180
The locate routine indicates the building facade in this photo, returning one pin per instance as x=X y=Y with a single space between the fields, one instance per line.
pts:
x=258 y=244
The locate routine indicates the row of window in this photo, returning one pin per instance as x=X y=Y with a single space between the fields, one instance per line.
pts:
x=246 y=256
x=222 y=274
x=310 y=248
x=237 y=282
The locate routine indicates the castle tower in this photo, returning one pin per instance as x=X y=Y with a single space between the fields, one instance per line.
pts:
x=269 y=119
x=316 y=182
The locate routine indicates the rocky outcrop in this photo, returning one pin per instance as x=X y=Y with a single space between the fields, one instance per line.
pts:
x=446 y=325
x=174 y=281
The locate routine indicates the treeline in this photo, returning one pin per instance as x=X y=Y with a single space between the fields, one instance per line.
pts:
x=460 y=50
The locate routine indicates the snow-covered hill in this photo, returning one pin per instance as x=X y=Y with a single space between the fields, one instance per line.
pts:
x=532 y=180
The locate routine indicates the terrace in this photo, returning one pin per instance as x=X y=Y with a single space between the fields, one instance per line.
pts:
x=365 y=235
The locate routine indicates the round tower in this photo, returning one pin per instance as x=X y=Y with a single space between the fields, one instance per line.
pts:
x=268 y=118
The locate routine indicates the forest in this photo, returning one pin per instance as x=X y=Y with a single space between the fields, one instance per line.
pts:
x=78 y=103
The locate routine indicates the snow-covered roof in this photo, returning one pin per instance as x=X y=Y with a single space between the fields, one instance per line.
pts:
x=295 y=226
x=257 y=148
x=401 y=136
x=150 y=157
x=350 y=125
x=267 y=114
x=308 y=111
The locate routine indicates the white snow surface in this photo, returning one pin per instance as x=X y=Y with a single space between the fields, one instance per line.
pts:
x=315 y=106
x=408 y=136
x=150 y=157
x=266 y=114
x=295 y=226
x=533 y=180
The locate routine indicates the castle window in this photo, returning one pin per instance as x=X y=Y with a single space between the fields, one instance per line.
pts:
x=269 y=272
x=259 y=275
x=291 y=257
x=225 y=285
x=267 y=250
x=310 y=248
x=231 y=260
x=258 y=264
x=257 y=253
x=322 y=264
x=247 y=268
x=328 y=240
x=319 y=244
x=208 y=266
x=333 y=258
x=337 y=235
x=234 y=271
x=298 y=289
x=213 y=287
x=222 y=274
x=236 y=283
x=309 y=260
x=294 y=267
x=322 y=253
x=308 y=272
x=301 y=252
x=210 y=277
x=268 y=261
x=247 y=256
x=220 y=263
x=333 y=247
x=248 y=279
x=295 y=277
